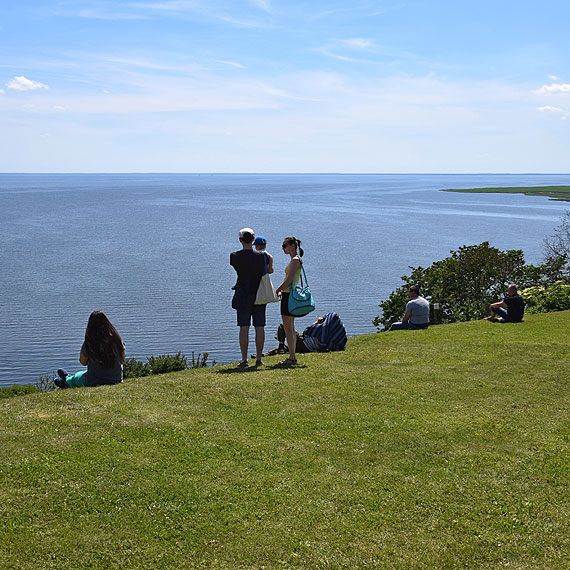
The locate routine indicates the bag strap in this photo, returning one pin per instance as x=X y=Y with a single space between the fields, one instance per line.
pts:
x=265 y=261
x=303 y=274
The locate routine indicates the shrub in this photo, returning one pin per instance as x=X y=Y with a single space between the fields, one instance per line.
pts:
x=133 y=368
x=163 y=364
x=555 y=297
x=167 y=363
x=17 y=390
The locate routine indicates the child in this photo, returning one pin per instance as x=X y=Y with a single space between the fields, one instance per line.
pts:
x=260 y=243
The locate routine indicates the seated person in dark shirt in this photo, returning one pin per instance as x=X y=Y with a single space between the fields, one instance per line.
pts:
x=102 y=351
x=510 y=310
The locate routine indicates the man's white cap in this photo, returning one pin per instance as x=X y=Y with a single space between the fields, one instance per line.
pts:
x=244 y=231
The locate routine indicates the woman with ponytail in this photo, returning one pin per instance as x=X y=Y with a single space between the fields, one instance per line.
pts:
x=103 y=352
x=292 y=247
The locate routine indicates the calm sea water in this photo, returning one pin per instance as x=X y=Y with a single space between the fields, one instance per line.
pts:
x=152 y=251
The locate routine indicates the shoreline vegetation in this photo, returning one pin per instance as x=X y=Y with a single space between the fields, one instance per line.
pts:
x=436 y=448
x=560 y=193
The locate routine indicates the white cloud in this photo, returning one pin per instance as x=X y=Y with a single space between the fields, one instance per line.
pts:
x=357 y=43
x=232 y=63
x=200 y=9
x=554 y=88
x=554 y=77
x=21 y=83
x=92 y=14
x=549 y=108
x=59 y=108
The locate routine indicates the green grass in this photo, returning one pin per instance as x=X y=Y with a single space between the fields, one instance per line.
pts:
x=443 y=448
x=553 y=192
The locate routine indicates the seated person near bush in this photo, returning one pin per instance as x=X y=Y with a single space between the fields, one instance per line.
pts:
x=326 y=333
x=102 y=351
x=510 y=310
x=417 y=312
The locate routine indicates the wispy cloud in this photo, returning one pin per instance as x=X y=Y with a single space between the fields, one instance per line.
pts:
x=357 y=43
x=554 y=77
x=21 y=83
x=231 y=63
x=553 y=88
x=169 y=5
x=108 y=14
x=556 y=110
x=203 y=10
x=200 y=10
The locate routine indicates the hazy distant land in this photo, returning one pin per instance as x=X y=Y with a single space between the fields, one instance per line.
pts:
x=553 y=192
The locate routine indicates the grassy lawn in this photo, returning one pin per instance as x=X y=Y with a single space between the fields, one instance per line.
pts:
x=554 y=192
x=443 y=448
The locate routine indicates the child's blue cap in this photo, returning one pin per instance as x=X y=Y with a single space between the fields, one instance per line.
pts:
x=259 y=240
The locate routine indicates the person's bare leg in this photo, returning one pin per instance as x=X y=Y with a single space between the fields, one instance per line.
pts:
x=259 y=342
x=289 y=326
x=244 y=341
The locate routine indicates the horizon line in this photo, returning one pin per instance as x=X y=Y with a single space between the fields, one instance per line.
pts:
x=223 y=173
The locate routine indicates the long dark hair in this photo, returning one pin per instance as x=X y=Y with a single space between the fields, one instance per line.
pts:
x=296 y=242
x=100 y=336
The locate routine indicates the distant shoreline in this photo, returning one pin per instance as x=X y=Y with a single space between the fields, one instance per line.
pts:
x=559 y=193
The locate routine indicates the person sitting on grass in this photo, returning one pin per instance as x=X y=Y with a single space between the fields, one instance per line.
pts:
x=510 y=309
x=103 y=352
x=417 y=312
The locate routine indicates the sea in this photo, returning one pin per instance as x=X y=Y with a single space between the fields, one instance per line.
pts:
x=152 y=251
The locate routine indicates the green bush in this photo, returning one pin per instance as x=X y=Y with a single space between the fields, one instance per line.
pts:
x=133 y=368
x=163 y=364
x=555 y=297
x=167 y=363
x=17 y=390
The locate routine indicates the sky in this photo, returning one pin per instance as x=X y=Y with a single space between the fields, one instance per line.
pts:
x=359 y=86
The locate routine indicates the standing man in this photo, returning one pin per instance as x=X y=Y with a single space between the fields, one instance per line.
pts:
x=417 y=312
x=249 y=266
x=510 y=310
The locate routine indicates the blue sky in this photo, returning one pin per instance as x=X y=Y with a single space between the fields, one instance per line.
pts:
x=284 y=86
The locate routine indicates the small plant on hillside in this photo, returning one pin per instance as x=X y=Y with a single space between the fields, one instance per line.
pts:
x=45 y=383
x=200 y=361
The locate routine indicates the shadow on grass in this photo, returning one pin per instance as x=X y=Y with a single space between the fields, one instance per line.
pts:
x=277 y=366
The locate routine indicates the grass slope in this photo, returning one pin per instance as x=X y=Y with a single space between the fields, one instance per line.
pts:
x=554 y=192
x=442 y=448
